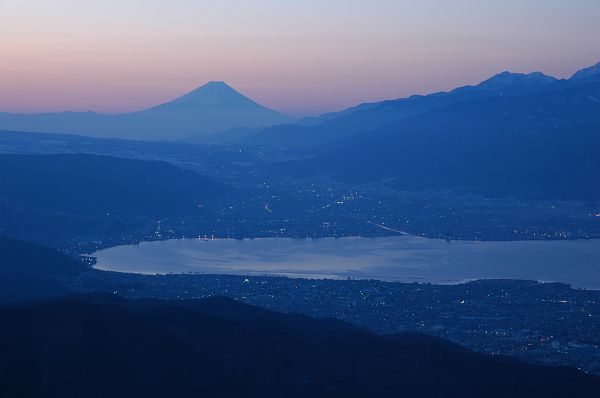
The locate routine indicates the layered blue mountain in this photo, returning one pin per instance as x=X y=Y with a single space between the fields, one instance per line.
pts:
x=587 y=74
x=208 y=109
x=532 y=137
x=333 y=127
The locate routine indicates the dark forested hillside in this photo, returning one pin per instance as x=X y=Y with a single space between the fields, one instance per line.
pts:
x=81 y=184
x=30 y=271
x=107 y=346
x=84 y=197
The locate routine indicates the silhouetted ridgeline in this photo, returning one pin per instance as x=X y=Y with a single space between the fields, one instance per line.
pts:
x=338 y=126
x=210 y=108
x=85 y=196
x=106 y=346
x=82 y=184
x=513 y=135
x=29 y=271
x=537 y=145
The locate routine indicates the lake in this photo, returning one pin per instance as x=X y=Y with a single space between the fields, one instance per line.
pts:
x=399 y=258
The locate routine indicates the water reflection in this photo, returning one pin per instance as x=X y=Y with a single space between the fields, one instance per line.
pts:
x=402 y=258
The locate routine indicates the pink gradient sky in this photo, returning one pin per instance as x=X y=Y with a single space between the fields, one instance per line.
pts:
x=297 y=57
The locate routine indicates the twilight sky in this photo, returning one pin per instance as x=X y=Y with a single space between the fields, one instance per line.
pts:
x=300 y=57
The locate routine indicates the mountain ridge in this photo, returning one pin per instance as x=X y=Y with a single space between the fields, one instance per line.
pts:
x=539 y=145
x=221 y=347
x=329 y=128
x=210 y=108
x=507 y=78
x=589 y=73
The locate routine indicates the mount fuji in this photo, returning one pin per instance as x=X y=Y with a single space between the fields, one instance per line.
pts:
x=208 y=109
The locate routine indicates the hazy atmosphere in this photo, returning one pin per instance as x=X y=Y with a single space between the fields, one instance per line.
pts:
x=299 y=58
x=277 y=199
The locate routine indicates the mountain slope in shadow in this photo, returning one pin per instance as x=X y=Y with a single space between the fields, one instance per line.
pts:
x=83 y=198
x=29 y=271
x=102 y=345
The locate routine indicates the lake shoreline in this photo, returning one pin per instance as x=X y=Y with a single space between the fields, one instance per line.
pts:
x=400 y=258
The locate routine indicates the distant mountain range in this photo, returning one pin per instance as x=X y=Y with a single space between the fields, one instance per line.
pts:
x=541 y=145
x=333 y=127
x=217 y=114
x=208 y=109
x=513 y=135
